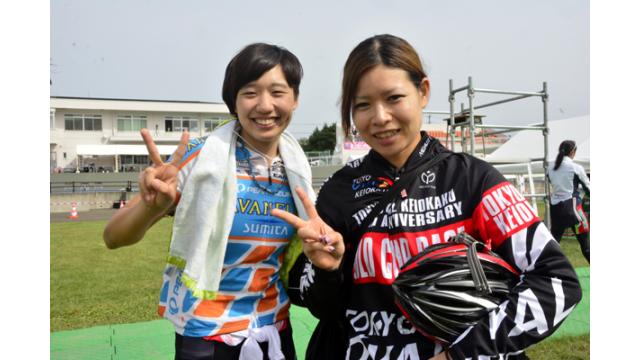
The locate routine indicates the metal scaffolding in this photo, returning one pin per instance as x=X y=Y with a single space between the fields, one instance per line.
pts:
x=463 y=121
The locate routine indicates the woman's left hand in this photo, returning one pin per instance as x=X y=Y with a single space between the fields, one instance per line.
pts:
x=321 y=244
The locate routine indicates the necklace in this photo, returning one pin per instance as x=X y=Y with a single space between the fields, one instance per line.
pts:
x=247 y=158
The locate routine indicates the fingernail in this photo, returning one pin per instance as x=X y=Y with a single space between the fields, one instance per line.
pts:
x=325 y=239
x=331 y=248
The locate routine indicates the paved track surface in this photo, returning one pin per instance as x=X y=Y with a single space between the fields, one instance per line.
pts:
x=91 y=215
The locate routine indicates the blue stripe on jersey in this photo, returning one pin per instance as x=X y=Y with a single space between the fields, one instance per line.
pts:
x=164 y=294
x=282 y=296
x=198 y=328
x=273 y=259
x=235 y=279
x=234 y=252
x=266 y=320
x=244 y=306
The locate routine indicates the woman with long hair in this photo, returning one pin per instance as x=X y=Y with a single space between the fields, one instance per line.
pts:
x=350 y=260
x=567 y=177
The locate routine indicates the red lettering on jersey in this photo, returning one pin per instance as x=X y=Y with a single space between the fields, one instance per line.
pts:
x=380 y=256
x=504 y=212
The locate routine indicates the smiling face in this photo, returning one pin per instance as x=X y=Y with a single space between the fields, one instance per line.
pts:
x=387 y=112
x=264 y=109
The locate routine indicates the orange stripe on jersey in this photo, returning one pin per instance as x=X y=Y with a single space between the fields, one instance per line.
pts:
x=233 y=326
x=270 y=299
x=259 y=254
x=186 y=161
x=161 y=310
x=260 y=178
x=257 y=238
x=214 y=308
x=261 y=279
x=283 y=313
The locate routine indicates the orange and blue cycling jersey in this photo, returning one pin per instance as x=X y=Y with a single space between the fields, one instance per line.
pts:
x=251 y=294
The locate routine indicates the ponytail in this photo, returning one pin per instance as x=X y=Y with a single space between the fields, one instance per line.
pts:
x=566 y=147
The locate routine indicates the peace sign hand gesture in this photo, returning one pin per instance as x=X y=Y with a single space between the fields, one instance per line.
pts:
x=320 y=243
x=159 y=182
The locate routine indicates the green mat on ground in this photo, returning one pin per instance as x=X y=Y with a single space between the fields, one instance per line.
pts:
x=154 y=339
x=578 y=321
x=147 y=340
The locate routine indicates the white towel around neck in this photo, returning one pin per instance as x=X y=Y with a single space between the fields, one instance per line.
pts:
x=207 y=206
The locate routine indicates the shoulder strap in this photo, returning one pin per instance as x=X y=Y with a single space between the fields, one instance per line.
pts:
x=397 y=187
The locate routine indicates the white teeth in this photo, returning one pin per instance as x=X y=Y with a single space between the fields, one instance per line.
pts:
x=265 y=121
x=386 y=134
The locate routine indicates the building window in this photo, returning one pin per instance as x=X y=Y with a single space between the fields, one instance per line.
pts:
x=133 y=163
x=134 y=160
x=53 y=160
x=52 y=119
x=180 y=123
x=82 y=122
x=132 y=122
x=211 y=123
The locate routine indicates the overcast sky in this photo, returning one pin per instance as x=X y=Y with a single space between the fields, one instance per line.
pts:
x=178 y=50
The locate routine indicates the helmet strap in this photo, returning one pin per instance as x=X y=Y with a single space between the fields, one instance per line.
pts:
x=478 y=275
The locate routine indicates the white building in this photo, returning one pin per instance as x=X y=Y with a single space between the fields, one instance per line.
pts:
x=103 y=134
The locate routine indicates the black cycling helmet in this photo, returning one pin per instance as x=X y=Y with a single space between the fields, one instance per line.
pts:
x=448 y=287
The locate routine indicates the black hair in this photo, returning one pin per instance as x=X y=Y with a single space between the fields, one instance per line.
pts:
x=385 y=49
x=253 y=61
x=566 y=147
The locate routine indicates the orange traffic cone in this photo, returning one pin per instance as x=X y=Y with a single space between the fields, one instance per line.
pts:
x=74 y=211
x=121 y=204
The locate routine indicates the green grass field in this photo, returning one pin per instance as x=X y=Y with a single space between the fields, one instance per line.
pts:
x=91 y=285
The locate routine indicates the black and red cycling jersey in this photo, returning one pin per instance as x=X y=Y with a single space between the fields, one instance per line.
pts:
x=460 y=193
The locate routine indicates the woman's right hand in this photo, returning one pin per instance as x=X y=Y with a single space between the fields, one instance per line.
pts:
x=322 y=245
x=158 y=191
x=159 y=182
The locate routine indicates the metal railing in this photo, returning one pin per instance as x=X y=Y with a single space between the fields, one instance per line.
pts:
x=69 y=187
x=324 y=160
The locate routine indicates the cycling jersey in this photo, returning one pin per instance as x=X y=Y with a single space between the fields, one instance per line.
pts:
x=566 y=181
x=460 y=193
x=251 y=294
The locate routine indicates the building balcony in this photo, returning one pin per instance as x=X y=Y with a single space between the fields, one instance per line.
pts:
x=130 y=137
